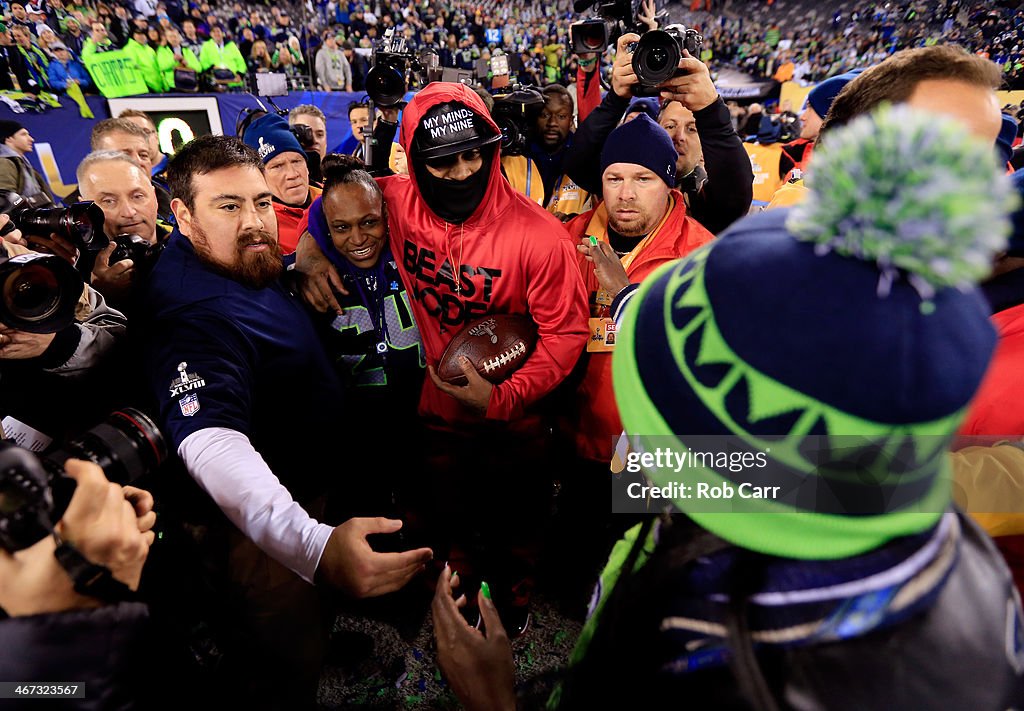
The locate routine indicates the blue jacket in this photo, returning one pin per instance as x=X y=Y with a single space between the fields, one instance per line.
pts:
x=223 y=354
x=59 y=74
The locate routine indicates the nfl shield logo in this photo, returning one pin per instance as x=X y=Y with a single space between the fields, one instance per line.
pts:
x=189 y=404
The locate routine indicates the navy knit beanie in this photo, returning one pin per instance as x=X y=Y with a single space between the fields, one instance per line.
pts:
x=644 y=104
x=642 y=142
x=822 y=96
x=270 y=135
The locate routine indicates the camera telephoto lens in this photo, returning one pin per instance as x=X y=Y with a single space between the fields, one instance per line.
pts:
x=385 y=85
x=126 y=445
x=35 y=492
x=33 y=293
x=38 y=293
x=656 y=57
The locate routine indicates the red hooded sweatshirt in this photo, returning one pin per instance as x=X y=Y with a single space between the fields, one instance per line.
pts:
x=597 y=417
x=512 y=256
x=995 y=411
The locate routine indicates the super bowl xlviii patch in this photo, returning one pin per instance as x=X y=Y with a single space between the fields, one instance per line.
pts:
x=186 y=381
x=189 y=404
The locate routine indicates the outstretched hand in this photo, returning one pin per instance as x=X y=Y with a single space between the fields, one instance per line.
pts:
x=350 y=563
x=478 y=665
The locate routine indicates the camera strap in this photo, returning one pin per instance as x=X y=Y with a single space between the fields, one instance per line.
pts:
x=89 y=579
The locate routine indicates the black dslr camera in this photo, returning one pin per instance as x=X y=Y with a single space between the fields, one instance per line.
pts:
x=80 y=224
x=656 y=56
x=142 y=253
x=34 y=491
x=304 y=135
x=513 y=113
x=395 y=67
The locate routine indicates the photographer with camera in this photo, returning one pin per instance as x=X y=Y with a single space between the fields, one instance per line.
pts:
x=312 y=118
x=287 y=174
x=131 y=135
x=695 y=117
x=55 y=628
x=359 y=120
x=54 y=331
x=124 y=192
x=514 y=113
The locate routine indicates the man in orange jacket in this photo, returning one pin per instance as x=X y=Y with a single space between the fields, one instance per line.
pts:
x=642 y=224
x=644 y=221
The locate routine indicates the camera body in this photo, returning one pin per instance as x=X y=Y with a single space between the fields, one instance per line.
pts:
x=395 y=67
x=514 y=113
x=656 y=56
x=137 y=249
x=304 y=135
x=34 y=491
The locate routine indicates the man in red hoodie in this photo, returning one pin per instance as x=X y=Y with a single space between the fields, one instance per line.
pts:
x=467 y=245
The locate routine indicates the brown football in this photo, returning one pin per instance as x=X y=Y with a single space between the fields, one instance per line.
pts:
x=496 y=344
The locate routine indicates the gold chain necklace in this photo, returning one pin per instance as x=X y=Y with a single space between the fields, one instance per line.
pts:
x=456 y=266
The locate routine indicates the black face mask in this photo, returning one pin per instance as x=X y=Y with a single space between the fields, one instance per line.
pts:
x=454 y=200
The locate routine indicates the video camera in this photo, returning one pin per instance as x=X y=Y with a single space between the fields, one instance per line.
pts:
x=656 y=56
x=395 y=67
x=612 y=18
x=513 y=113
x=35 y=492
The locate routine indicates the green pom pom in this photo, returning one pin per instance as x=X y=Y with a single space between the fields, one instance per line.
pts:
x=908 y=191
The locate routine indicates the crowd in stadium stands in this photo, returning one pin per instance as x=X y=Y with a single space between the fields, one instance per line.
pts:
x=179 y=46
x=809 y=42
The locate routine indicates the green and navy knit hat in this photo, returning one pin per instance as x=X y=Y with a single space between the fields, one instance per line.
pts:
x=853 y=316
